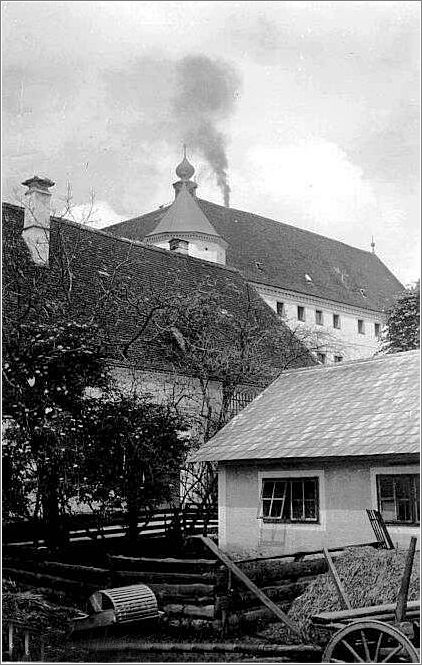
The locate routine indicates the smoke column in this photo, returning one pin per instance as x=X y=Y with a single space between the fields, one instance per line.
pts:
x=206 y=92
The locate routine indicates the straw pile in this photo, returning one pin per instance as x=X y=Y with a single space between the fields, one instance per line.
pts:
x=35 y=610
x=369 y=577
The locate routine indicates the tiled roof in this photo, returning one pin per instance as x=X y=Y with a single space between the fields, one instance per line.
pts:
x=365 y=407
x=184 y=215
x=145 y=270
x=278 y=254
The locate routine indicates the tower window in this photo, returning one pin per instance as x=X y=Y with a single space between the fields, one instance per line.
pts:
x=361 y=326
x=377 y=329
x=321 y=358
x=336 y=321
x=319 y=317
x=300 y=313
x=281 y=311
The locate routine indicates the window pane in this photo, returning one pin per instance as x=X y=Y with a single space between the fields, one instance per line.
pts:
x=267 y=490
x=280 y=489
x=404 y=511
x=386 y=487
x=388 y=510
x=266 y=505
x=276 y=508
x=402 y=486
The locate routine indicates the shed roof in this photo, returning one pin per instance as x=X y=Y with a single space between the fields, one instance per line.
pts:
x=280 y=255
x=364 y=407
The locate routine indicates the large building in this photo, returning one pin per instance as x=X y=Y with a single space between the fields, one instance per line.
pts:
x=332 y=295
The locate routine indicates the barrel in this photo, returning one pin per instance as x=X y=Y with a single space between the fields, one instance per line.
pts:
x=130 y=603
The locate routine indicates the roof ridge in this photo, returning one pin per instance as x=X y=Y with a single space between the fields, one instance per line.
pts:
x=291 y=226
x=347 y=363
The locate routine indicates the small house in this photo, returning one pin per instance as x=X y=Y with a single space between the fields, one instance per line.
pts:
x=299 y=466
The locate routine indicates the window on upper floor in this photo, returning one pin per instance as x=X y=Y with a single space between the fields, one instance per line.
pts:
x=321 y=358
x=398 y=498
x=336 y=320
x=338 y=359
x=319 y=317
x=377 y=329
x=290 y=500
x=281 y=310
x=361 y=326
x=300 y=313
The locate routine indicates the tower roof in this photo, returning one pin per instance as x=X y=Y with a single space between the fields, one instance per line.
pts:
x=184 y=216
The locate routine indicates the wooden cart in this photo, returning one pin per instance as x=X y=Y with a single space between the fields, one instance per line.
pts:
x=371 y=635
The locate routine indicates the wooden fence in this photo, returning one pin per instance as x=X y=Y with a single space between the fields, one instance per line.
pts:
x=91 y=526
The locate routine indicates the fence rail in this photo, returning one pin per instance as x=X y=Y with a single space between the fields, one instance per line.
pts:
x=87 y=526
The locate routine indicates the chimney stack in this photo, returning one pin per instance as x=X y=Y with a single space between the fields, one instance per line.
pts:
x=36 y=229
x=179 y=246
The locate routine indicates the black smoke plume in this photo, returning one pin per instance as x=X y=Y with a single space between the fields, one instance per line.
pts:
x=206 y=92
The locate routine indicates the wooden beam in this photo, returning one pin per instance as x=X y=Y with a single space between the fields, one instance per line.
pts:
x=250 y=585
x=400 y=612
x=362 y=612
x=344 y=600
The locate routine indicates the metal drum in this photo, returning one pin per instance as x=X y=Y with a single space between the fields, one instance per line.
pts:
x=129 y=603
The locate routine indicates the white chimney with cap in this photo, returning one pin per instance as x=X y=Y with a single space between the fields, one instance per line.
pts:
x=36 y=228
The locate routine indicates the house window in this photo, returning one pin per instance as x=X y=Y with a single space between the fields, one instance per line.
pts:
x=336 y=320
x=361 y=326
x=300 y=313
x=319 y=318
x=377 y=329
x=290 y=500
x=398 y=498
x=321 y=358
x=280 y=308
x=338 y=359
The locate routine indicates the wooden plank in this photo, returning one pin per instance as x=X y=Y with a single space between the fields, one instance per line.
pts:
x=344 y=600
x=400 y=612
x=101 y=646
x=250 y=585
x=362 y=612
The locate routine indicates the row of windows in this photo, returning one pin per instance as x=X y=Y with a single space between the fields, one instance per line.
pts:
x=319 y=319
x=297 y=499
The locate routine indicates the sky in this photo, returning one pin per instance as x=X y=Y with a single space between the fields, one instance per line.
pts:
x=305 y=112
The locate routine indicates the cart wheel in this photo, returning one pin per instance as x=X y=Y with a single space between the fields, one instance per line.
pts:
x=369 y=642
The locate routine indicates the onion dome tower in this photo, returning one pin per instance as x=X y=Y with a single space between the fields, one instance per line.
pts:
x=184 y=228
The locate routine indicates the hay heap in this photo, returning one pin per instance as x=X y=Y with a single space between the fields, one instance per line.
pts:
x=35 y=610
x=369 y=577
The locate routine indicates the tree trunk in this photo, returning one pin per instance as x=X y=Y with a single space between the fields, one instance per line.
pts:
x=56 y=534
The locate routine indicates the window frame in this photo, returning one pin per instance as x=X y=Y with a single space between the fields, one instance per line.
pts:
x=322 y=358
x=302 y=308
x=319 y=317
x=290 y=520
x=361 y=328
x=377 y=332
x=412 y=499
x=397 y=529
x=283 y=308
x=338 y=321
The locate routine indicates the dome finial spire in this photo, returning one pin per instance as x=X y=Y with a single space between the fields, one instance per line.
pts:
x=185 y=169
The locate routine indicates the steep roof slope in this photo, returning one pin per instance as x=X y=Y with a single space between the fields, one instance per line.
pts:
x=183 y=216
x=278 y=254
x=365 y=407
x=100 y=261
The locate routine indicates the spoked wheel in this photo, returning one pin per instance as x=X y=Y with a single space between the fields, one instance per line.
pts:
x=369 y=642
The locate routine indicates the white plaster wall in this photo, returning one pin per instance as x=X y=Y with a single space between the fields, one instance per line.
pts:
x=346 y=491
x=201 y=249
x=345 y=341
